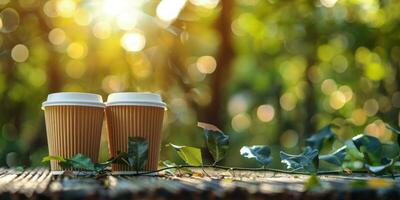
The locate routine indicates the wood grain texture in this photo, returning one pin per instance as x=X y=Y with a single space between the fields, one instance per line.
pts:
x=39 y=183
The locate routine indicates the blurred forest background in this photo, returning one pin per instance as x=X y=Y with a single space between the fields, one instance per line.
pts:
x=265 y=71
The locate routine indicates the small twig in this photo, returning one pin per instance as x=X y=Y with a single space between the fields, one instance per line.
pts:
x=202 y=168
x=241 y=169
x=263 y=169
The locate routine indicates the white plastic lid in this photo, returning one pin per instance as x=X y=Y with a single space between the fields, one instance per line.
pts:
x=136 y=99
x=73 y=98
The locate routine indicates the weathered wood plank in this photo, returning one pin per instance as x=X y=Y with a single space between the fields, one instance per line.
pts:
x=214 y=184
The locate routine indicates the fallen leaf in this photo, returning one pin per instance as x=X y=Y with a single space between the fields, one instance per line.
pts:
x=380 y=183
x=198 y=174
x=208 y=126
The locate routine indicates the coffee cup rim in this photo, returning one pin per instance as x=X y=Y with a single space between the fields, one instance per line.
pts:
x=73 y=99
x=135 y=99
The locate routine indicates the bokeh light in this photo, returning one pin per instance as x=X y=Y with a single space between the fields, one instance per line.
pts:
x=323 y=62
x=75 y=69
x=127 y=21
x=241 y=122
x=102 y=30
x=133 y=41
x=20 y=53
x=49 y=8
x=195 y=74
x=378 y=129
x=168 y=10
x=112 y=84
x=328 y=86
x=288 y=101
x=347 y=92
x=82 y=17
x=358 y=117
x=116 y=7
x=328 y=3
x=205 y=3
x=57 y=36
x=206 y=64
x=375 y=71
x=9 y=20
x=340 y=63
x=337 y=100
x=65 y=8
x=77 y=50
x=371 y=107
x=238 y=104
x=265 y=113
x=289 y=139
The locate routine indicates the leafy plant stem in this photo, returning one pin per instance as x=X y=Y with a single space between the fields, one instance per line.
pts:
x=202 y=168
x=333 y=172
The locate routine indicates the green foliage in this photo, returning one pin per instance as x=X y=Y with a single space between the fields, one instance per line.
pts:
x=317 y=140
x=135 y=157
x=335 y=158
x=282 y=49
x=261 y=153
x=137 y=154
x=168 y=164
x=78 y=161
x=386 y=164
x=191 y=155
x=391 y=150
x=370 y=146
x=352 y=152
x=366 y=148
x=217 y=142
x=312 y=183
x=56 y=158
x=308 y=160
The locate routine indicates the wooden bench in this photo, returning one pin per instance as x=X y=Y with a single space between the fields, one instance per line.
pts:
x=40 y=183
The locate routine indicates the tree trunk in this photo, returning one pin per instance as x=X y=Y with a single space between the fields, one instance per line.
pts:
x=224 y=60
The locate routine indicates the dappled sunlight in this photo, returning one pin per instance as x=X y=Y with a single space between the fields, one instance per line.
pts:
x=269 y=72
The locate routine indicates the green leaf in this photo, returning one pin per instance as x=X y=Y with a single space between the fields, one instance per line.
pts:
x=352 y=151
x=386 y=164
x=317 y=140
x=137 y=152
x=56 y=158
x=308 y=160
x=78 y=161
x=217 y=144
x=191 y=155
x=121 y=158
x=335 y=158
x=99 y=167
x=390 y=150
x=370 y=146
x=261 y=153
x=312 y=183
x=167 y=163
x=19 y=168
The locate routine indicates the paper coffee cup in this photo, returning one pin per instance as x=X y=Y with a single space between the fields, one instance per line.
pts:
x=133 y=114
x=73 y=125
